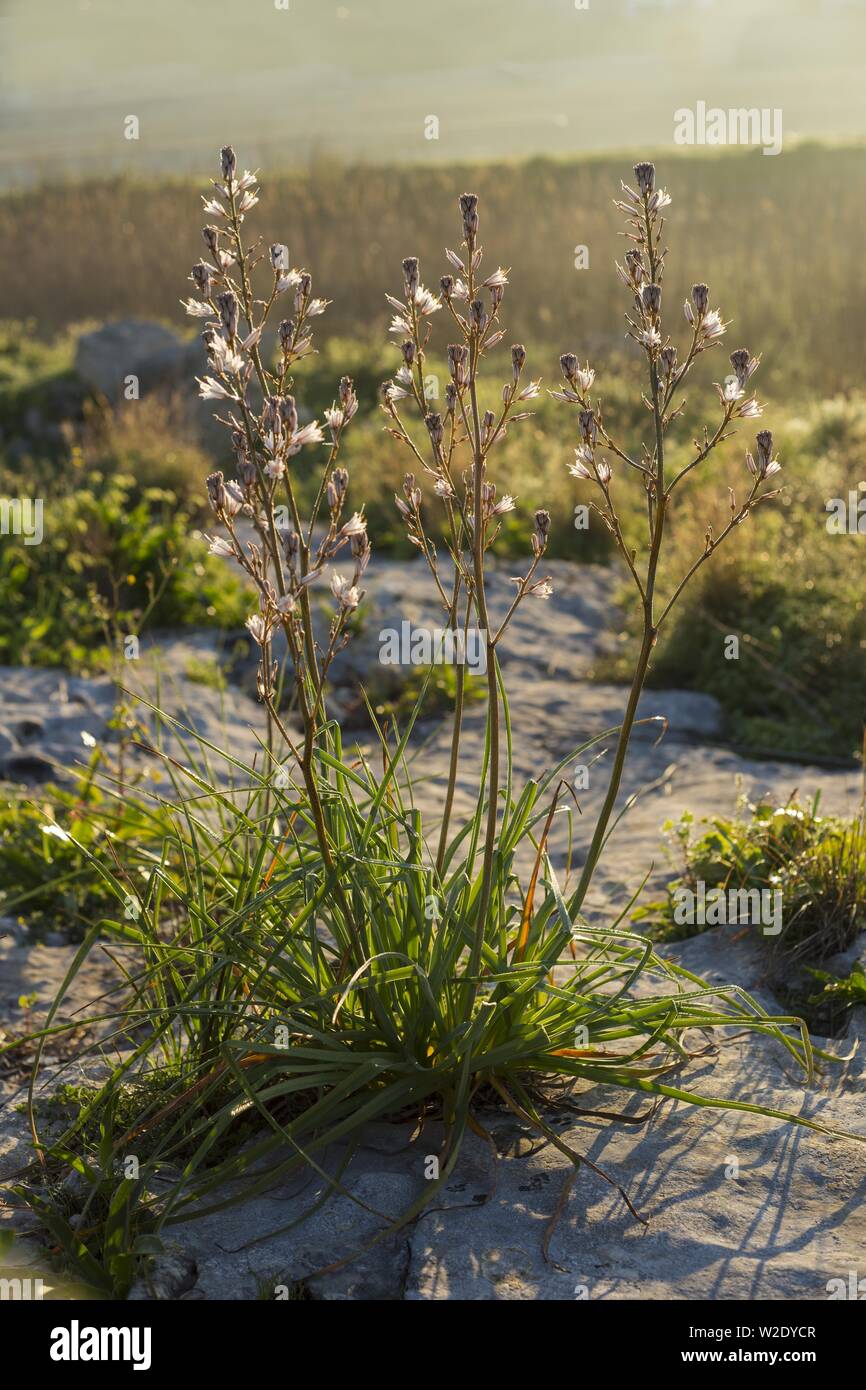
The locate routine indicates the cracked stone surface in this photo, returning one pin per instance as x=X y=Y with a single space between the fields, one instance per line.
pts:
x=738 y=1207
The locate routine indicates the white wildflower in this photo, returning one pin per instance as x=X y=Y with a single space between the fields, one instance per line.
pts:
x=220 y=546
x=212 y=390
x=197 y=308
x=308 y=434
x=257 y=628
x=345 y=592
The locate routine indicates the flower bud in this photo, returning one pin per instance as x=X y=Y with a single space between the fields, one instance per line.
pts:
x=211 y=238
x=227 y=304
x=302 y=293
x=435 y=429
x=588 y=427
x=347 y=397
x=764 y=447
x=408 y=351
x=458 y=357
x=446 y=285
x=518 y=359
x=202 y=277
x=700 y=299
x=216 y=493
x=271 y=417
x=410 y=274
x=744 y=365
x=469 y=210
x=634 y=266
x=478 y=315
x=542 y=531
x=291 y=546
x=228 y=162
x=450 y=397
x=668 y=359
x=651 y=298
x=287 y=333
x=568 y=363
x=645 y=174
x=288 y=413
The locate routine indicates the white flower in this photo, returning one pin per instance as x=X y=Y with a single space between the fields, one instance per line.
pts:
x=602 y=469
x=197 y=308
x=750 y=409
x=531 y=391
x=543 y=589
x=732 y=390
x=220 y=546
x=660 y=199
x=355 y=526
x=334 y=417
x=651 y=338
x=712 y=325
x=497 y=280
x=401 y=325
x=213 y=207
x=257 y=628
x=275 y=469
x=289 y=281
x=246 y=180
x=234 y=497
x=247 y=202
x=443 y=488
x=87 y=739
x=570 y=397
x=212 y=390
x=285 y=604
x=425 y=301
x=459 y=290
x=316 y=306
x=579 y=469
x=233 y=364
x=345 y=592
x=505 y=504
x=308 y=434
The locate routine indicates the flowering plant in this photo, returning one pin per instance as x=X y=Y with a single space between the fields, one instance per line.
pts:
x=340 y=971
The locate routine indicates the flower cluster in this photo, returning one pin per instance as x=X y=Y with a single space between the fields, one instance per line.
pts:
x=642 y=272
x=259 y=506
x=459 y=440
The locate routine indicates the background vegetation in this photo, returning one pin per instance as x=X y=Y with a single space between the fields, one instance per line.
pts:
x=765 y=233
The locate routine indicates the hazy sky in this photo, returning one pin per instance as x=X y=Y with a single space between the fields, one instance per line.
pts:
x=504 y=77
